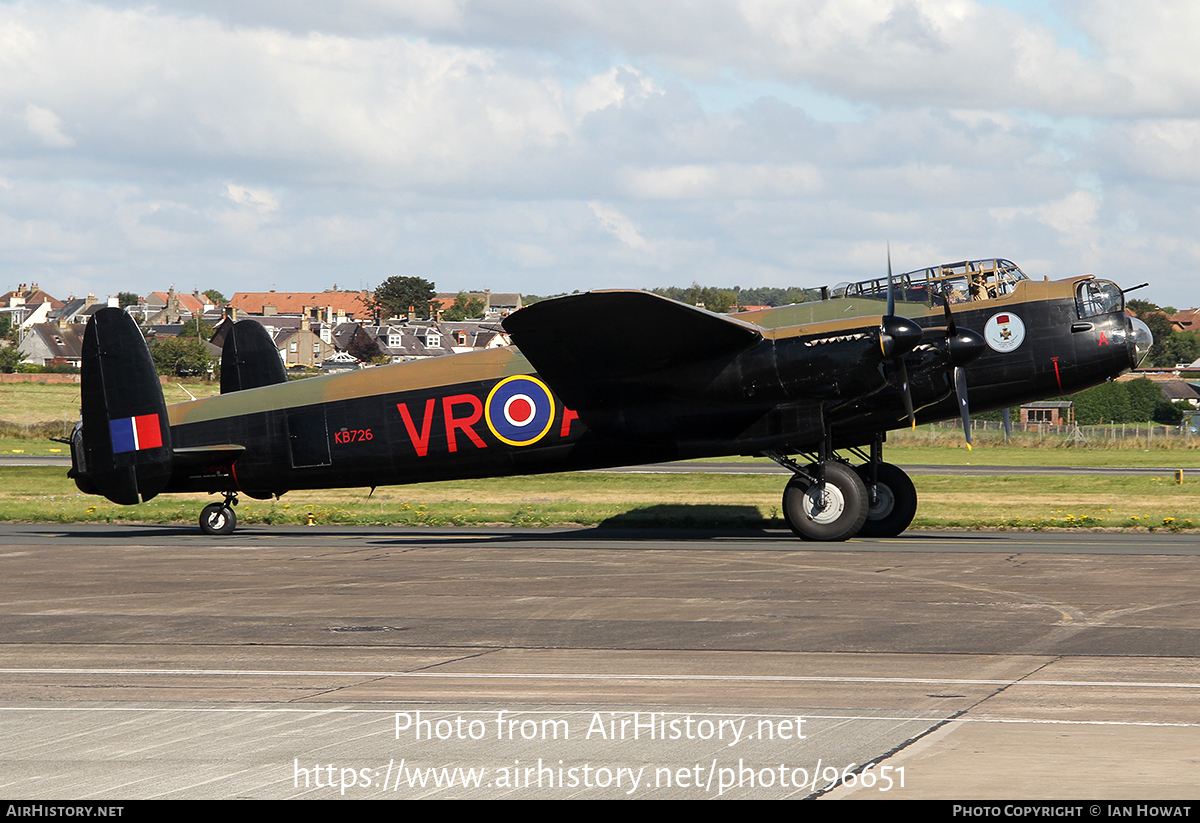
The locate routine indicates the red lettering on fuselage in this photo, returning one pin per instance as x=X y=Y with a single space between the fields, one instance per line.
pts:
x=454 y=424
x=420 y=443
x=568 y=416
x=464 y=423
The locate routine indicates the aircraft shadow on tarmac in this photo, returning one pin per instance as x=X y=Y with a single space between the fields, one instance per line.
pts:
x=652 y=526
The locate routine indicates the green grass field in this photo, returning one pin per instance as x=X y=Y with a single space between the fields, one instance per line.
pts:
x=44 y=494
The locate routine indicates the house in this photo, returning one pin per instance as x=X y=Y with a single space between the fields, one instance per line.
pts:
x=303 y=345
x=345 y=304
x=1186 y=320
x=468 y=335
x=396 y=342
x=1173 y=390
x=496 y=305
x=28 y=305
x=1051 y=412
x=78 y=310
x=172 y=307
x=48 y=343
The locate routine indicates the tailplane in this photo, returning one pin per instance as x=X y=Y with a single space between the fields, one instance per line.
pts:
x=122 y=449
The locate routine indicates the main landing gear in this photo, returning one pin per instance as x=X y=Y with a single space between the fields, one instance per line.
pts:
x=218 y=518
x=830 y=500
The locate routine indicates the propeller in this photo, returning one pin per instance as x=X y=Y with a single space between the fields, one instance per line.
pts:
x=963 y=346
x=897 y=337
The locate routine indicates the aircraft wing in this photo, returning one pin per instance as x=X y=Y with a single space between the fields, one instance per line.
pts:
x=606 y=344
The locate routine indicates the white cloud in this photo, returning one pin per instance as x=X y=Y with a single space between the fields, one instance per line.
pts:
x=724 y=181
x=261 y=200
x=509 y=144
x=619 y=226
x=46 y=126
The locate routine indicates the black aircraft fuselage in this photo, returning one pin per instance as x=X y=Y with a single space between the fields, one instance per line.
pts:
x=595 y=380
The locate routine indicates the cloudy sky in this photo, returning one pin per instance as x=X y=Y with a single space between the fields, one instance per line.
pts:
x=538 y=146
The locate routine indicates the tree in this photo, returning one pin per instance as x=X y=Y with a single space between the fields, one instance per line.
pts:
x=126 y=299
x=714 y=299
x=189 y=329
x=394 y=296
x=10 y=359
x=215 y=296
x=1171 y=414
x=1170 y=347
x=1106 y=403
x=181 y=357
x=365 y=347
x=1181 y=347
x=464 y=307
x=1144 y=395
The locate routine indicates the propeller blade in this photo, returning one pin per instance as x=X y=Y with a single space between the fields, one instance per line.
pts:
x=891 y=300
x=960 y=391
x=906 y=394
x=898 y=336
x=951 y=328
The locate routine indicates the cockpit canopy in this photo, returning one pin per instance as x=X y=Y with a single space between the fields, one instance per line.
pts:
x=1093 y=297
x=955 y=282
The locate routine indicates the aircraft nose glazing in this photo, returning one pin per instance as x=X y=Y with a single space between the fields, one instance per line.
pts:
x=1142 y=338
x=899 y=335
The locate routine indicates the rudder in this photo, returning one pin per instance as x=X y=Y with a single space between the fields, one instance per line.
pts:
x=122 y=450
x=249 y=358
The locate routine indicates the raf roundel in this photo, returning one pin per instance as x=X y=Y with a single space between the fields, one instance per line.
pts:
x=519 y=410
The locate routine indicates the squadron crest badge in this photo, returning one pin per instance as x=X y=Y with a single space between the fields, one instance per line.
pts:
x=1004 y=332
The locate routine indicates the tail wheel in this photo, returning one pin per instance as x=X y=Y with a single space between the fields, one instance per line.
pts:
x=835 y=513
x=218 y=519
x=893 y=505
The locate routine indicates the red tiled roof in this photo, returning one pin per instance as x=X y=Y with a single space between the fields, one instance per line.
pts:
x=353 y=303
x=187 y=302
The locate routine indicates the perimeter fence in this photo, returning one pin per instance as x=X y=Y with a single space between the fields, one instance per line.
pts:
x=1045 y=435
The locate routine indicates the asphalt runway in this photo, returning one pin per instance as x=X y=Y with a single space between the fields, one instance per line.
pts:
x=152 y=662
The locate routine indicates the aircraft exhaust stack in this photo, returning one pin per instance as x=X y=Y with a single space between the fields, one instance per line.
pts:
x=122 y=449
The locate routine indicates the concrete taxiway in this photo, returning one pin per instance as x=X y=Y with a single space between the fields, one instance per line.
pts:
x=149 y=661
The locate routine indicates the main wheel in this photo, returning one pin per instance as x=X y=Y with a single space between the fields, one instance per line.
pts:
x=217 y=518
x=837 y=513
x=894 y=503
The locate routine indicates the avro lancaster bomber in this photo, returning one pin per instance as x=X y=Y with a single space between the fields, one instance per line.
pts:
x=610 y=378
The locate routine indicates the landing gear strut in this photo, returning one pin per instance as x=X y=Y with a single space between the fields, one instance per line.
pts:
x=218 y=518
